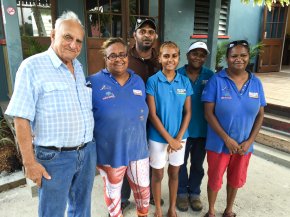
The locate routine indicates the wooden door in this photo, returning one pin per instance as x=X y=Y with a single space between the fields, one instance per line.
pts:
x=113 y=18
x=273 y=33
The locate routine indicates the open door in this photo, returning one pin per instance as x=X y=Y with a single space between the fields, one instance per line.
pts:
x=273 y=34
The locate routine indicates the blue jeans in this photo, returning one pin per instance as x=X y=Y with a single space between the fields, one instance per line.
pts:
x=72 y=176
x=189 y=184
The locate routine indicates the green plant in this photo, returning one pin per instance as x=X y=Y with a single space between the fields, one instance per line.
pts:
x=10 y=159
x=255 y=50
x=220 y=54
x=32 y=46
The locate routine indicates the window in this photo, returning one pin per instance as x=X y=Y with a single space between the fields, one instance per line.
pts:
x=34 y=17
x=106 y=18
x=201 y=17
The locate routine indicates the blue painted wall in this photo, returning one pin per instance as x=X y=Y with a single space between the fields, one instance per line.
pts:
x=178 y=24
x=3 y=79
x=244 y=23
x=76 y=6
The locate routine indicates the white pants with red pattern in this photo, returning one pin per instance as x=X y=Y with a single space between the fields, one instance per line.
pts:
x=138 y=176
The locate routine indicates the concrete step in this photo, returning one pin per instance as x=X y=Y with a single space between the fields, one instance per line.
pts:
x=283 y=111
x=12 y=180
x=274 y=138
x=277 y=122
x=272 y=154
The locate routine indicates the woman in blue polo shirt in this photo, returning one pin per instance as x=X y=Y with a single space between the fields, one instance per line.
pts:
x=234 y=109
x=120 y=113
x=168 y=98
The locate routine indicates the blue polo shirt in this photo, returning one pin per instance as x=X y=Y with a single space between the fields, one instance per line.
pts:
x=235 y=110
x=197 y=125
x=169 y=100
x=120 y=114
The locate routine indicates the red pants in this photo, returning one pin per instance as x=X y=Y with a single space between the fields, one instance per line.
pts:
x=138 y=176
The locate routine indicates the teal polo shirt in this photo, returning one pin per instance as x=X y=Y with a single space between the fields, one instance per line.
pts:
x=169 y=101
x=197 y=126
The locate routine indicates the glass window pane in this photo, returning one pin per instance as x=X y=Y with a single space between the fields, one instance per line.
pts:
x=269 y=16
x=268 y=30
x=104 y=6
x=116 y=26
x=34 y=20
x=105 y=25
x=280 y=30
x=274 y=29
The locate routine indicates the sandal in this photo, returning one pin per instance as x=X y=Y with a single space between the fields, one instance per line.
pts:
x=229 y=214
x=209 y=215
x=171 y=216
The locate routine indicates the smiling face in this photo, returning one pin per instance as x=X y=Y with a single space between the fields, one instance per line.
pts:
x=67 y=40
x=116 y=59
x=169 y=58
x=196 y=58
x=238 y=58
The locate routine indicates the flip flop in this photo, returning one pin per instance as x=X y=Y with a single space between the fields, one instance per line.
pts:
x=209 y=215
x=229 y=214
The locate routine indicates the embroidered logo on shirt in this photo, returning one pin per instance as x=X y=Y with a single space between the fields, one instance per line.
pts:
x=204 y=81
x=137 y=92
x=109 y=95
x=105 y=87
x=226 y=93
x=254 y=95
x=181 y=91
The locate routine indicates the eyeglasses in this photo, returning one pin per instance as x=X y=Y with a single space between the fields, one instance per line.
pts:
x=114 y=56
x=239 y=42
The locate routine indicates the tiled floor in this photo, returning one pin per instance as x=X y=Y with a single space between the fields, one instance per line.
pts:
x=277 y=86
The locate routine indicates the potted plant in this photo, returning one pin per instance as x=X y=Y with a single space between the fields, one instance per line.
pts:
x=220 y=54
x=254 y=52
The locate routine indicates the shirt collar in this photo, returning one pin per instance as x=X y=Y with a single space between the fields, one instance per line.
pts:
x=223 y=74
x=162 y=77
x=134 y=53
x=130 y=71
x=56 y=61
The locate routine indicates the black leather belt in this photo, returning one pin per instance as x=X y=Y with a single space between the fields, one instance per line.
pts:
x=76 y=148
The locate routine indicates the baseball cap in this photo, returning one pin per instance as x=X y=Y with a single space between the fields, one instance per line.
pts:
x=198 y=44
x=141 y=21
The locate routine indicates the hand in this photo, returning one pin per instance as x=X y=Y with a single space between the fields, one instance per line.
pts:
x=244 y=147
x=232 y=145
x=35 y=171
x=175 y=145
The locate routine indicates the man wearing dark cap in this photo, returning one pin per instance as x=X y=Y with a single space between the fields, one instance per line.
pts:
x=143 y=60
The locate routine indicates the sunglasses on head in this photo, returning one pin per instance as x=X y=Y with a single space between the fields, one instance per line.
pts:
x=239 y=42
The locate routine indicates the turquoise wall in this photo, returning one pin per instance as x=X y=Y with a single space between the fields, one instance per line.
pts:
x=178 y=24
x=244 y=23
x=77 y=7
x=3 y=79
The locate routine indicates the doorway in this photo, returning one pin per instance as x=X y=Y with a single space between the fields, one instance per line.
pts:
x=273 y=37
